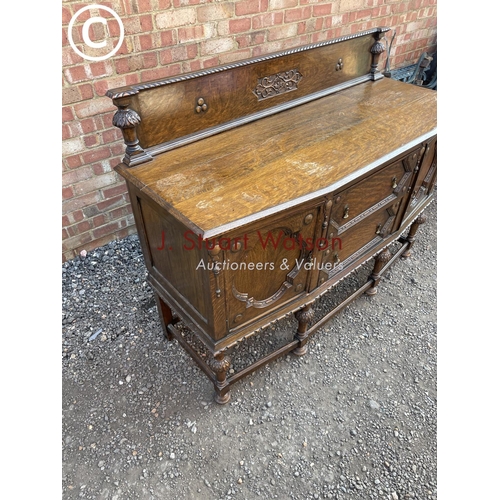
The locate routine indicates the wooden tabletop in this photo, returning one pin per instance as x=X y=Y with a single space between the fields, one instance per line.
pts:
x=257 y=169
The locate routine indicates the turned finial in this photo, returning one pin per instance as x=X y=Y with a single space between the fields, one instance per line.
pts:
x=126 y=120
x=376 y=49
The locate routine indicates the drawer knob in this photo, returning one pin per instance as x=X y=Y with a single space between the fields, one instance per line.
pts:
x=394 y=183
x=379 y=229
x=336 y=259
x=346 y=212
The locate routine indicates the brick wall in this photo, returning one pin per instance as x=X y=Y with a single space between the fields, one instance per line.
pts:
x=167 y=37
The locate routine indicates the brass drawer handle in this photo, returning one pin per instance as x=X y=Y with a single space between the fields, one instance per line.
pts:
x=379 y=228
x=394 y=183
x=336 y=259
x=346 y=212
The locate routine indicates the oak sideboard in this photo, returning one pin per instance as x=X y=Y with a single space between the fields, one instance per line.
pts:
x=258 y=186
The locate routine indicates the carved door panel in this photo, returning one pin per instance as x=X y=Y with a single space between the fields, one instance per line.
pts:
x=265 y=268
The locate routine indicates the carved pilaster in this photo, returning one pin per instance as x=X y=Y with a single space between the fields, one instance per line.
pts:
x=214 y=254
x=380 y=261
x=376 y=49
x=126 y=120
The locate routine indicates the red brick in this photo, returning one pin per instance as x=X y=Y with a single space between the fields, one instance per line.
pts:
x=114 y=28
x=90 y=140
x=73 y=161
x=168 y=38
x=210 y=62
x=115 y=161
x=131 y=79
x=146 y=42
x=77 y=216
x=76 y=74
x=240 y=25
x=67 y=114
x=88 y=125
x=150 y=60
x=117 y=149
x=96 y=155
x=120 y=212
x=100 y=68
x=190 y=33
x=105 y=230
x=115 y=190
x=250 y=7
x=166 y=56
x=189 y=66
x=112 y=135
x=67 y=193
x=82 y=227
x=142 y=5
x=101 y=167
x=254 y=38
x=294 y=15
x=78 y=174
x=95 y=183
x=66 y=132
x=71 y=246
x=238 y=55
x=146 y=23
x=159 y=73
x=110 y=202
x=86 y=91
x=107 y=119
x=322 y=10
x=66 y=15
x=363 y=14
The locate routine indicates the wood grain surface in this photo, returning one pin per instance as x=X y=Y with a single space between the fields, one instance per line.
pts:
x=229 y=179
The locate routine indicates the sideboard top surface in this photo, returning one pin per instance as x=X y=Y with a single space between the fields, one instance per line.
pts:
x=232 y=178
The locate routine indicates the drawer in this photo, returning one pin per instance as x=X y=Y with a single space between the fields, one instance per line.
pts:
x=352 y=245
x=378 y=190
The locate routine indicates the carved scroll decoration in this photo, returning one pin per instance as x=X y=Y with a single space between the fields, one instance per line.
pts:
x=289 y=279
x=280 y=83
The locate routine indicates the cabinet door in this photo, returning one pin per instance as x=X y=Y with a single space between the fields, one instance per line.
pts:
x=265 y=267
x=424 y=175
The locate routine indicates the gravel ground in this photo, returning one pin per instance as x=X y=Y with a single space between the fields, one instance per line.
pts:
x=353 y=418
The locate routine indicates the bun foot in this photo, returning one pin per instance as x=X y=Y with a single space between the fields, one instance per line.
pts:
x=222 y=399
x=300 y=351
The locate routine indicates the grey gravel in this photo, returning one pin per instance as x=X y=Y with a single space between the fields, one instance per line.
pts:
x=355 y=418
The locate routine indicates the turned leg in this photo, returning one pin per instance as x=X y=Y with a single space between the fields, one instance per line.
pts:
x=421 y=219
x=304 y=316
x=380 y=261
x=166 y=316
x=220 y=365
